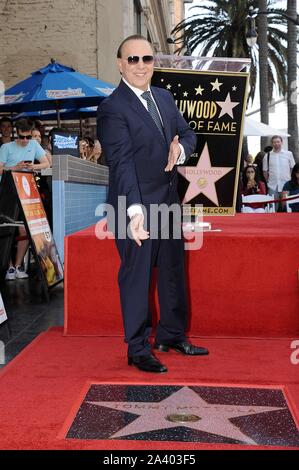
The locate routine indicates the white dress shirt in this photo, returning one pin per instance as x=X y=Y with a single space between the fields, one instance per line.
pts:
x=135 y=208
x=280 y=167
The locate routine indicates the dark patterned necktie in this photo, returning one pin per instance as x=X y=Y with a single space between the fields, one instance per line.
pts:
x=152 y=109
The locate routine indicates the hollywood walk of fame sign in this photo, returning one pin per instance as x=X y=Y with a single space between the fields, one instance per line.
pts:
x=213 y=104
x=211 y=414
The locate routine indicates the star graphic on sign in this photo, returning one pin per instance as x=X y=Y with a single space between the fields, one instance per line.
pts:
x=227 y=106
x=199 y=90
x=203 y=177
x=234 y=88
x=171 y=413
x=216 y=85
x=185 y=94
x=168 y=86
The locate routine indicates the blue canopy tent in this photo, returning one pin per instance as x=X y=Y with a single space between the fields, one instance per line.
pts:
x=65 y=114
x=54 y=86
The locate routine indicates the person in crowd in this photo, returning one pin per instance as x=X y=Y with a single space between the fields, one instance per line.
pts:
x=48 y=143
x=38 y=125
x=144 y=137
x=249 y=160
x=44 y=182
x=251 y=184
x=90 y=148
x=291 y=188
x=20 y=155
x=259 y=164
x=6 y=128
x=36 y=135
x=94 y=149
x=277 y=167
x=98 y=151
x=83 y=148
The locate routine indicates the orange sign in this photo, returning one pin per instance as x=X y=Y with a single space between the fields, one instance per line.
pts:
x=38 y=225
x=3 y=316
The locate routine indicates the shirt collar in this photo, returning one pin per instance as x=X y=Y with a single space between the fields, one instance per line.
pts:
x=137 y=91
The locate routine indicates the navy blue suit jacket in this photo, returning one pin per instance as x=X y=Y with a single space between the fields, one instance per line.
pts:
x=135 y=150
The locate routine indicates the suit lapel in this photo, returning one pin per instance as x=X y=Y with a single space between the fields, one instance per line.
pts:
x=138 y=108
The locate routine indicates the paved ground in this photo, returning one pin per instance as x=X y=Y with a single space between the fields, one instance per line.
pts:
x=28 y=313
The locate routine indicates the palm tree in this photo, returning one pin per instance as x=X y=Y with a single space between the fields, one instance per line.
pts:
x=219 y=29
x=292 y=80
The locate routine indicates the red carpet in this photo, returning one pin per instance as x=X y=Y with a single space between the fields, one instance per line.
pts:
x=243 y=282
x=42 y=386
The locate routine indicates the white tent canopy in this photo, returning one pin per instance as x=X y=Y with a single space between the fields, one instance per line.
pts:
x=255 y=128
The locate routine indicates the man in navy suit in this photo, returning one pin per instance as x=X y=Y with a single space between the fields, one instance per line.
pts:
x=144 y=137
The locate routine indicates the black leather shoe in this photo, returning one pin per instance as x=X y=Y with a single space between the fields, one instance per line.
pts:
x=147 y=363
x=184 y=347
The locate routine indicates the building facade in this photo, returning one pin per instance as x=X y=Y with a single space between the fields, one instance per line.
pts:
x=83 y=34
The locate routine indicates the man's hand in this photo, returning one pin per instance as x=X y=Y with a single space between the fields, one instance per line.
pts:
x=20 y=166
x=174 y=153
x=29 y=166
x=137 y=230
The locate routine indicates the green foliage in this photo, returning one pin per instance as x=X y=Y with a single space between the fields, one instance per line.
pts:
x=218 y=29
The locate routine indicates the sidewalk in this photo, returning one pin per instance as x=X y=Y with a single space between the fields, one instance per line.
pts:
x=28 y=313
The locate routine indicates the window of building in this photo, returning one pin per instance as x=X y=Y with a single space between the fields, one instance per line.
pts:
x=137 y=16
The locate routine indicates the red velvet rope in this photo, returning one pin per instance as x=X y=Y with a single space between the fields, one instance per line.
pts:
x=272 y=201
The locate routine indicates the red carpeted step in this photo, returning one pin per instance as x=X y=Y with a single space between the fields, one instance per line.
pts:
x=242 y=282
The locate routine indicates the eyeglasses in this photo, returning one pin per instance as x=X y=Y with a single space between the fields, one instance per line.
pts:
x=23 y=137
x=134 y=59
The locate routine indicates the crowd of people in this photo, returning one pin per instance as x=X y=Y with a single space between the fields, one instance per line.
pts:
x=89 y=149
x=273 y=172
x=25 y=145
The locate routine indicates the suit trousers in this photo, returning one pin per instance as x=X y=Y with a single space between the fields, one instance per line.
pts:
x=134 y=281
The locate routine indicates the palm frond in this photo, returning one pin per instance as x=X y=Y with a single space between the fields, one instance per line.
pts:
x=218 y=28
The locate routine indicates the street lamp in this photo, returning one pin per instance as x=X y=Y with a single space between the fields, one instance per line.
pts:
x=251 y=36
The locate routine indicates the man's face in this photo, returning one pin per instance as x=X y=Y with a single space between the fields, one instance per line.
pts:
x=277 y=144
x=138 y=75
x=24 y=137
x=6 y=129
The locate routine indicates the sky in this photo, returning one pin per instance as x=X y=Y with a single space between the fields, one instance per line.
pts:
x=278 y=118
